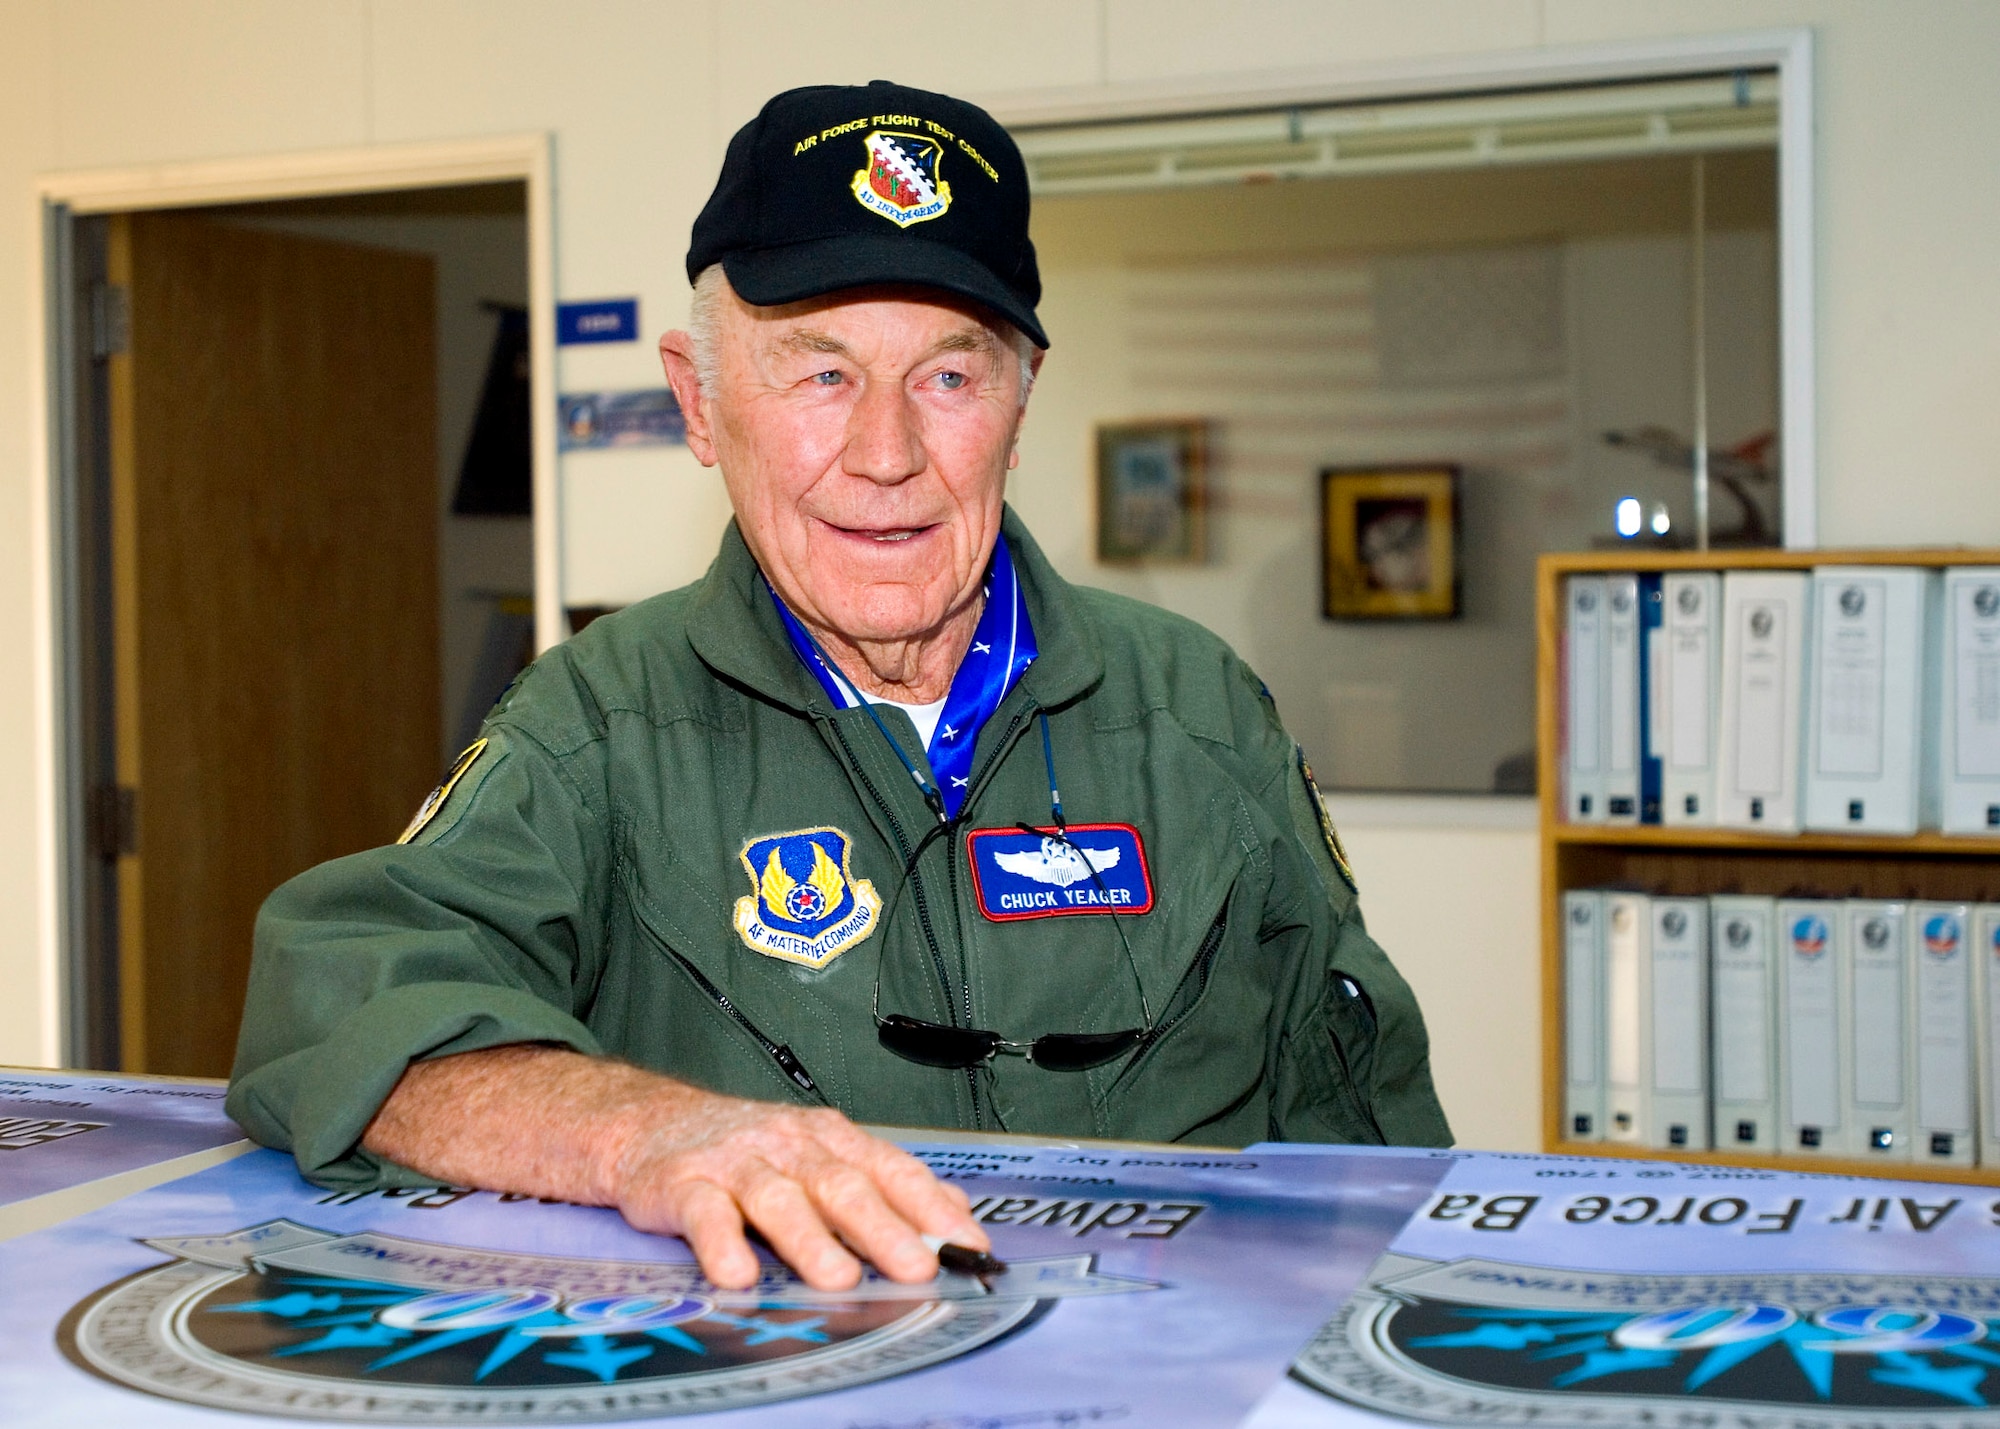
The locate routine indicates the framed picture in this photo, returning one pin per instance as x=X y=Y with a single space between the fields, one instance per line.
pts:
x=1152 y=491
x=1389 y=543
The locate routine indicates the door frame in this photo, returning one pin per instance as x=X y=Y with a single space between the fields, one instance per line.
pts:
x=59 y=197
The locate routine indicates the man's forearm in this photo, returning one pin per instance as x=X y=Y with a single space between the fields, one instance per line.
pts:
x=676 y=1159
x=541 y=1121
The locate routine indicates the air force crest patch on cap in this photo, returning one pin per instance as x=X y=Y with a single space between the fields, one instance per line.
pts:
x=901 y=181
x=1090 y=868
x=804 y=906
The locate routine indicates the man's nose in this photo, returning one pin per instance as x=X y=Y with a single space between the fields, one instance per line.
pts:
x=884 y=443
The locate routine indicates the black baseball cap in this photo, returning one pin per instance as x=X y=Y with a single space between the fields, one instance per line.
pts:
x=844 y=186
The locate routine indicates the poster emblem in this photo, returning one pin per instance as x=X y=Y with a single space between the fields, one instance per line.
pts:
x=283 y=1319
x=804 y=906
x=1475 y=1341
x=900 y=181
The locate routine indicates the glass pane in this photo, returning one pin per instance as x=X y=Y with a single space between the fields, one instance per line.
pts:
x=1529 y=326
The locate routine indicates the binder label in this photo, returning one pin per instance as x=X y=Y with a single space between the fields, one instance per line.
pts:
x=1976 y=653
x=1760 y=709
x=1850 y=661
x=1812 y=1004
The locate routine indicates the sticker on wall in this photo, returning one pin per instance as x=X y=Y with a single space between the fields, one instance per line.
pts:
x=649 y=417
x=605 y=320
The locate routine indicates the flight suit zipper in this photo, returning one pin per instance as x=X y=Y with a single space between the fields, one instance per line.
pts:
x=787 y=1060
x=922 y=904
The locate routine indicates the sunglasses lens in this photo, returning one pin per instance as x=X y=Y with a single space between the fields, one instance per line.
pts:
x=933 y=1045
x=1080 y=1051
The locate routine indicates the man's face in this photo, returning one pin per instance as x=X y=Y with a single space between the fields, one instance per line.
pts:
x=865 y=440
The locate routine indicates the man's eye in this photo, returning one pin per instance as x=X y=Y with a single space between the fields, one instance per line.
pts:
x=828 y=379
x=951 y=381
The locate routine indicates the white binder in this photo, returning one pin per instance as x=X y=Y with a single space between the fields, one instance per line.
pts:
x=1656 y=1021
x=1872 y=669
x=1984 y=942
x=1764 y=616
x=1583 y=646
x=1943 y=1060
x=1583 y=1015
x=1874 y=1031
x=1743 y=996
x=1679 y=1005
x=1628 y=1027
x=1811 y=994
x=1622 y=710
x=1690 y=675
x=1968 y=750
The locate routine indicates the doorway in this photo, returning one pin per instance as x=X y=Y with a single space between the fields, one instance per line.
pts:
x=303 y=553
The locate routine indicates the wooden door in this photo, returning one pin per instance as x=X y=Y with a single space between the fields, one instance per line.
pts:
x=275 y=603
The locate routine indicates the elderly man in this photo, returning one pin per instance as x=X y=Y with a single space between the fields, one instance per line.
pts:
x=789 y=845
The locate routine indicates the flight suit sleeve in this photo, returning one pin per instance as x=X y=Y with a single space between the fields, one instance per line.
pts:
x=1366 y=1010
x=481 y=930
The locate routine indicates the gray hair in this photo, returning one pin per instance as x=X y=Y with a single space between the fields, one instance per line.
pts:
x=704 y=323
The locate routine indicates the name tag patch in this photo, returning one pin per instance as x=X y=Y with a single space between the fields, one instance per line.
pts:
x=1097 y=868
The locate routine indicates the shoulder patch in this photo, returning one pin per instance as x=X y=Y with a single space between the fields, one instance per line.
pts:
x=434 y=800
x=1326 y=827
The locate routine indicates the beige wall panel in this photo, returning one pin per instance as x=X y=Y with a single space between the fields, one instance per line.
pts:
x=1158 y=39
x=637 y=522
x=764 y=46
x=27 y=145
x=1469 y=948
x=143 y=82
x=626 y=88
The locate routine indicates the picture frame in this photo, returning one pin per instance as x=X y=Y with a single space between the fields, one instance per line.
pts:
x=1389 y=539
x=1152 y=492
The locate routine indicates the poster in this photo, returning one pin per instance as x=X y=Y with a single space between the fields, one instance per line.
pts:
x=60 y=1129
x=1581 y=1291
x=1144 y=1287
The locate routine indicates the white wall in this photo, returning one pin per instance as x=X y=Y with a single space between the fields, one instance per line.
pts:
x=641 y=96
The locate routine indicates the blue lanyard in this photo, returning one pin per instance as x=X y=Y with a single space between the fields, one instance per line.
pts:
x=1003 y=645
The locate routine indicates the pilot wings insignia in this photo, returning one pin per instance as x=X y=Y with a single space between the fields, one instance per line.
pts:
x=1058 y=863
x=1040 y=873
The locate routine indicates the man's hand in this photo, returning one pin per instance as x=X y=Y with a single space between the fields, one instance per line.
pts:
x=677 y=1160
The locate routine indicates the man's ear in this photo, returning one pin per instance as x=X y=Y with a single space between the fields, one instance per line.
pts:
x=1034 y=371
x=677 y=359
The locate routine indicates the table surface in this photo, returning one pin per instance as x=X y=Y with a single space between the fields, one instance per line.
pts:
x=177 y=1266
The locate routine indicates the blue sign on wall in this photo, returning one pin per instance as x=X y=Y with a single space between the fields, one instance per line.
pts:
x=606 y=320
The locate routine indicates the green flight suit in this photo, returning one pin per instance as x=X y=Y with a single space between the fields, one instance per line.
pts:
x=578 y=885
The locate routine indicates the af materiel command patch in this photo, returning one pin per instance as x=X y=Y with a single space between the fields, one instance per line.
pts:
x=434 y=800
x=805 y=906
x=1326 y=827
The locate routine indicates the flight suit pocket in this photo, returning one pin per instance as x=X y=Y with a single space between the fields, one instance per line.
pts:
x=1351 y=1032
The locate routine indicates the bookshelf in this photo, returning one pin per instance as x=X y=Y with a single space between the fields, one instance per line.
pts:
x=1691 y=861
